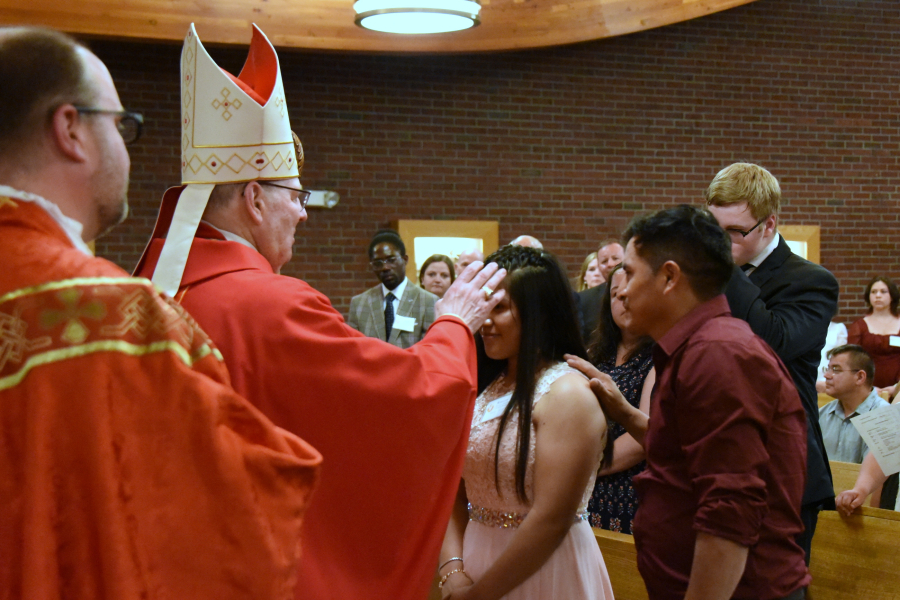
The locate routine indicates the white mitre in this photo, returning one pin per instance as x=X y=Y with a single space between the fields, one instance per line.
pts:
x=233 y=129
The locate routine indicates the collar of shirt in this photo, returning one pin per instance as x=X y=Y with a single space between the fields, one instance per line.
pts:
x=870 y=403
x=690 y=323
x=231 y=237
x=397 y=291
x=759 y=258
x=71 y=227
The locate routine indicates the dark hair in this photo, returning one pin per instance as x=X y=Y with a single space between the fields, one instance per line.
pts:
x=539 y=289
x=892 y=290
x=433 y=259
x=690 y=237
x=860 y=360
x=40 y=70
x=387 y=235
x=607 y=336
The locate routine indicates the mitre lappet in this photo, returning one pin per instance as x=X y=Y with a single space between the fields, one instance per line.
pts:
x=233 y=129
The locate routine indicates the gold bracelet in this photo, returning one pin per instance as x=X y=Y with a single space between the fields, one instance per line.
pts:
x=447 y=576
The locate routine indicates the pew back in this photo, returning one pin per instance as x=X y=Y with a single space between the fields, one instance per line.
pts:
x=844 y=475
x=856 y=557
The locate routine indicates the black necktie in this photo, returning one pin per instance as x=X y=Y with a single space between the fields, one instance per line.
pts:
x=746 y=267
x=388 y=315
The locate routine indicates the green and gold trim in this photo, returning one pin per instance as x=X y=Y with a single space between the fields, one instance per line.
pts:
x=62 y=320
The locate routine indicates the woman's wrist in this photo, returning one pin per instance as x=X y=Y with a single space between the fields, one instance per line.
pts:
x=450 y=561
x=449 y=575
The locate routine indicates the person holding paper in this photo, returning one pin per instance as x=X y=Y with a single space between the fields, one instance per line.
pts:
x=879 y=331
x=870 y=479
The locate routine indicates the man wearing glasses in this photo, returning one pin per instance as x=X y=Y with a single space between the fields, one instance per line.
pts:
x=849 y=378
x=130 y=467
x=392 y=424
x=394 y=311
x=787 y=301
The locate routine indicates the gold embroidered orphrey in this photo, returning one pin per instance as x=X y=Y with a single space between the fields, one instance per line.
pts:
x=67 y=319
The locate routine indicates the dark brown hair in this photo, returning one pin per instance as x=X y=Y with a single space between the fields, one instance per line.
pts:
x=540 y=291
x=892 y=290
x=40 y=69
x=605 y=339
x=860 y=360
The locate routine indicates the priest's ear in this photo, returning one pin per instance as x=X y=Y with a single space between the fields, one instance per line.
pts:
x=67 y=133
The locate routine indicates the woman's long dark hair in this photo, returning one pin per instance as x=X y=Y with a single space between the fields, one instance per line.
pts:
x=892 y=291
x=605 y=339
x=545 y=304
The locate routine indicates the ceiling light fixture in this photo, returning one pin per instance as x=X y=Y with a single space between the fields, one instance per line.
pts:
x=417 y=16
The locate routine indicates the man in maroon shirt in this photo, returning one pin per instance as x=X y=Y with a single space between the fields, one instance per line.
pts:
x=726 y=447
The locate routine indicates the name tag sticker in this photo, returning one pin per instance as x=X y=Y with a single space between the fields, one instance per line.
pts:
x=895 y=340
x=495 y=408
x=404 y=323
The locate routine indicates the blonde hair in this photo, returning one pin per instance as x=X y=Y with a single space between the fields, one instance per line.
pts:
x=580 y=285
x=746 y=182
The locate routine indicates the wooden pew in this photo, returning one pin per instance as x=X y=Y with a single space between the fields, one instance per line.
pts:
x=844 y=476
x=621 y=563
x=853 y=558
x=856 y=558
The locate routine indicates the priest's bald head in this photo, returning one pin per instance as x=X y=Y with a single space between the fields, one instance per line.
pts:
x=62 y=127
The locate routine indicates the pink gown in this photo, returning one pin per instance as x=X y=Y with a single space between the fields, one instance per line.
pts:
x=575 y=571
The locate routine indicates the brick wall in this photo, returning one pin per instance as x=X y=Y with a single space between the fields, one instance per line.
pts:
x=569 y=143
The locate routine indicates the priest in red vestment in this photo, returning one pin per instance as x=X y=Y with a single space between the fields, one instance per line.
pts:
x=392 y=424
x=130 y=469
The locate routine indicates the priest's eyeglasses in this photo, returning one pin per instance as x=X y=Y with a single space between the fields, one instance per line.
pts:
x=129 y=124
x=302 y=195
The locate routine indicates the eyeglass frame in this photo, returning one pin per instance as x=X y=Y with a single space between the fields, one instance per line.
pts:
x=743 y=233
x=379 y=263
x=137 y=118
x=302 y=195
x=831 y=369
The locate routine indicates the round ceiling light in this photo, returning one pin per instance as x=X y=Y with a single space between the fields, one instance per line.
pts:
x=416 y=16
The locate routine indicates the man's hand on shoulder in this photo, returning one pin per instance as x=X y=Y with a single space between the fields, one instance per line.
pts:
x=468 y=297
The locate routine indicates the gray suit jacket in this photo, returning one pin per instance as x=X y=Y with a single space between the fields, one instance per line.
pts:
x=367 y=315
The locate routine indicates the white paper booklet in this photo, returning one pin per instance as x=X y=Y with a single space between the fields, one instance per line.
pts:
x=881 y=431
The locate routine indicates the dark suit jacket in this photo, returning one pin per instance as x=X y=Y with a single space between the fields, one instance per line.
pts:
x=367 y=315
x=788 y=302
x=589 y=309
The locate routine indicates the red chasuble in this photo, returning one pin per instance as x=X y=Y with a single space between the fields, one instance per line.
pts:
x=129 y=470
x=391 y=424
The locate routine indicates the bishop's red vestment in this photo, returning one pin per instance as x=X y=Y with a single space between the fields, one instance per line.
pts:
x=129 y=468
x=392 y=425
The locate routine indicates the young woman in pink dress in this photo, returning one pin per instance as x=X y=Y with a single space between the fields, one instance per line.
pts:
x=518 y=530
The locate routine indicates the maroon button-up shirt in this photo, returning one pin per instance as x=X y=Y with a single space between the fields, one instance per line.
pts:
x=726 y=455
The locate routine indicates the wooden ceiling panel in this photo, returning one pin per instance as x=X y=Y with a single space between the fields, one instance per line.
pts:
x=329 y=24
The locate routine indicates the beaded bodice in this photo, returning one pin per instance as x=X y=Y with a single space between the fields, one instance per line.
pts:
x=478 y=472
